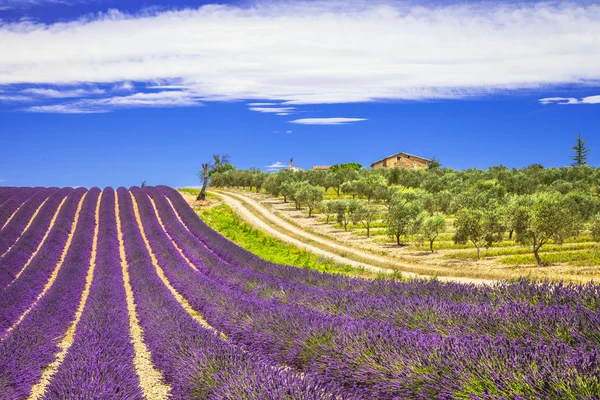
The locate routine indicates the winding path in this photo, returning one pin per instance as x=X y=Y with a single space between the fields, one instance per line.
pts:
x=241 y=205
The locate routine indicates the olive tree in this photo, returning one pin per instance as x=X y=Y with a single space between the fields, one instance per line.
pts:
x=339 y=208
x=365 y=214
x=370 y=185
x=543 y=217
x=433 y=225
x=481 y=227
x=288 y=190
x=403 y=218
x=305 y=193
x=350 y=188
x=326 y=208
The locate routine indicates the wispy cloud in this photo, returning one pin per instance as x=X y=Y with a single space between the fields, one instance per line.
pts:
x=124 y=87
x=9 y=98
x=326 y=121
x=262 y=104
x=277 y=111
x=93 y=106
x=276 y=166
x=58 y=94
x=11 y=4
x=370 y=52
x=571 y=100
x=66 y=109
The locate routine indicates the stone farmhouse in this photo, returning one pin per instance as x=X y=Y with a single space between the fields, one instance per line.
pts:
x=402 y=160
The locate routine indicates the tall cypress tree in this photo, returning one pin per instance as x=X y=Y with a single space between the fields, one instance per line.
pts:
x=581 y=150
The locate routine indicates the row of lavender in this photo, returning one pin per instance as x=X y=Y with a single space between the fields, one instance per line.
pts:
x=292 y=333
x=417 y=339
x=195 y=362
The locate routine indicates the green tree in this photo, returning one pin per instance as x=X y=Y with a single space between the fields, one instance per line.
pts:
x=543 y=217
x=365 y=214
x=327 y=209
x=288 y=190
x=480 y=227
x=581 y=150
x=386 y=194
x=404 y=217
x=337 y=178
x=433 y=225
x=435 y=164
x=351 y=188
x=370 y=185
x=305 y=193
x=257 y=179
x=344 y=211
x=339 y=208
x=351 y=165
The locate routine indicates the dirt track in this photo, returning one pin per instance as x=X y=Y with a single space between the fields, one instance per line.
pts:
x=283 y=229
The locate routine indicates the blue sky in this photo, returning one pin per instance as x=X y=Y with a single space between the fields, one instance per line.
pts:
x=98 y=93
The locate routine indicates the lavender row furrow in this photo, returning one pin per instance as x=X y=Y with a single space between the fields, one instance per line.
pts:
x=21 y=294
x=572 y=324
x=194 y=360
x=99 y=363
x=549 y=293
x=14 y=260
x=33 y=344
x=375 y=356
x=14 y=229
x=8 y=208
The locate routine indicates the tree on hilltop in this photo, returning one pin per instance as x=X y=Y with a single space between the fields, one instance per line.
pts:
x=219 y=164
x=581 y=150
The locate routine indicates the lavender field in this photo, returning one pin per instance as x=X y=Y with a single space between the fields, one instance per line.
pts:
x=127 y=294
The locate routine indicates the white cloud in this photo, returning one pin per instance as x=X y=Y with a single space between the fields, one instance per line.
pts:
x=124 y=87
x=10 y=4
x=276 y=166
x=57 y=94
x=261 y=104
x=14 y=98
x=66 y=109
x=571 y=100
x=288 y=131
x=278 y=111
x=326 y=121
x=87 y=106
x=310 y=53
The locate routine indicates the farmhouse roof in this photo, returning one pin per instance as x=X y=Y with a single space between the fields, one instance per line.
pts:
x=406 y=154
